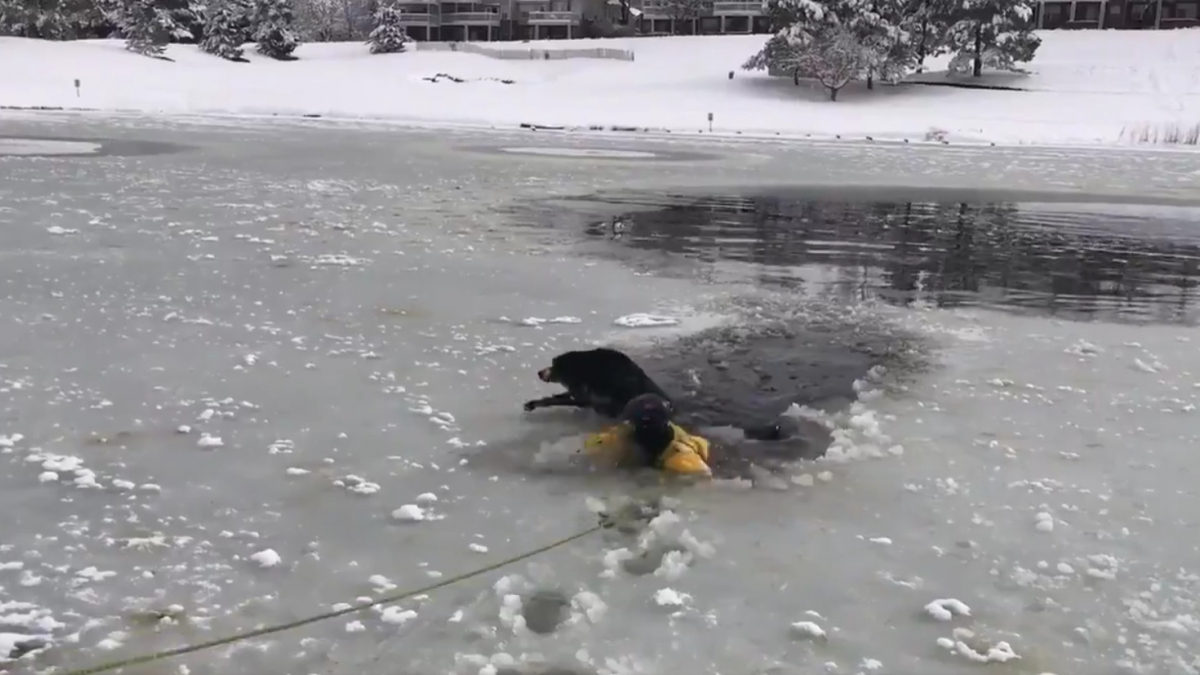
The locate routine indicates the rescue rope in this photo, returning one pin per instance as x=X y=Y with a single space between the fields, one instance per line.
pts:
x=278 y=628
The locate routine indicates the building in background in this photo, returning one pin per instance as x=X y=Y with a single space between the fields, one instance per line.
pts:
x=1124 y=14
x=564 y=19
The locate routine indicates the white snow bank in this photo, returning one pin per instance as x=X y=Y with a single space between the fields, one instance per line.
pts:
x=1089 y=87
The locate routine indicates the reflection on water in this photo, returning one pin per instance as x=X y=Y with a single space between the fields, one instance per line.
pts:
x=1095 y=262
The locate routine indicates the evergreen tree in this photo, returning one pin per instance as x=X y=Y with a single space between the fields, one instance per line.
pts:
x=388 y=36
x=53 y=19
x=147 y=26
x=227 y=29
x=993 y=33
x=187 y=17
x=927 y=22
x=271 y=22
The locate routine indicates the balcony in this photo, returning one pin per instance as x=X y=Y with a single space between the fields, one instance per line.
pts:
x=471 y=19
x=655 y=11
x=424 y=19
x=737 y=9
x=552 y=18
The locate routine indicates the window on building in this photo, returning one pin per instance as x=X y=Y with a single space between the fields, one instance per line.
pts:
x=1181 y=10
x=1086 y=11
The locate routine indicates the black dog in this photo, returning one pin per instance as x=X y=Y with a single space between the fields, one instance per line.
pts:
x=602 y=379
x=606 y=380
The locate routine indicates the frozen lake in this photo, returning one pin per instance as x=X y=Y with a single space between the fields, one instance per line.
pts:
x=234 y=351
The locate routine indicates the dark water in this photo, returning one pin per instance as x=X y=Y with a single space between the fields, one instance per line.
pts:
x=1075 y=261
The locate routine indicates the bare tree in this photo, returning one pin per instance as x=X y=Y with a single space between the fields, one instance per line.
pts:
x=681 y=11
x=319 y=20
x=834 y=58
x=325 y=20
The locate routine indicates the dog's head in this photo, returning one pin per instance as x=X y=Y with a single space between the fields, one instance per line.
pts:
x=565 y=368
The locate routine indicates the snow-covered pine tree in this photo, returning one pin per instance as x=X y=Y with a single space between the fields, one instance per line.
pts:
x=388 y=36
x=926 y=22
x=147 y=26
x=227 y=29
x=993 y=33
x=187 y=15
x=52 y=19
x=271 y=28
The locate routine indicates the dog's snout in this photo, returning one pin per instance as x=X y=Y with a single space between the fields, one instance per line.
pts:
x=544 y=374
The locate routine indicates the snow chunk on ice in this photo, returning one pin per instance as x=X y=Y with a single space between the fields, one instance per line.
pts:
x=267 y=558
x=590 y=604
x=642 y=320
x=808 y=629
x=803 y=480
x=1001 y=652
x=945 y=609
x=1043 y=522
x=397 y=616
x=669 y=597
x=673 y=564
x=409 y=513
x=357 y=485
x=10 y=441
x=536 y=321
x=207 y=440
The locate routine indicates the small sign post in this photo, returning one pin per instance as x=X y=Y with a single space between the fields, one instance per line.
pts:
x=710 y=122
x=77 y=87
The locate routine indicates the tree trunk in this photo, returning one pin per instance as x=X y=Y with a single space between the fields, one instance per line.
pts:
x=921 y=47
x=978 y=50
x=348 y=16
x=870 y=80
x=833 y=93
x=796 y=77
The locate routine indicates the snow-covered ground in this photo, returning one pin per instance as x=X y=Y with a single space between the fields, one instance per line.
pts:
x=234 y=376
x=1087 y=87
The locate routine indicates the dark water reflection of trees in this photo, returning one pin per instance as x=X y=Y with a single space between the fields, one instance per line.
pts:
x=1078 y=266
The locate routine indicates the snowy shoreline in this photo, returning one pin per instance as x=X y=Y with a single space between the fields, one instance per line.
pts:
x=1082 y=90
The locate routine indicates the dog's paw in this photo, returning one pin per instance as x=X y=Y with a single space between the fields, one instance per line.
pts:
x=530 y=406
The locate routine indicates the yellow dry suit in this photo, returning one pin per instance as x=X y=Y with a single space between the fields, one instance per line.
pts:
x=687 y=454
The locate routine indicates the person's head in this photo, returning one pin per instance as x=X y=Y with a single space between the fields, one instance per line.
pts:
x=649 y=416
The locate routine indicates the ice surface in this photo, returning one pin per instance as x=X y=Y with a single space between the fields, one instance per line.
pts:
x=674 y=84
x=16 y=146
x=369 y=285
